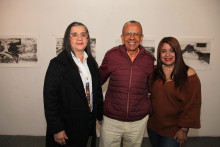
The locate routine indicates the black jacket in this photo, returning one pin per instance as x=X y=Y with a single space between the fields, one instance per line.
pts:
x=65 y=103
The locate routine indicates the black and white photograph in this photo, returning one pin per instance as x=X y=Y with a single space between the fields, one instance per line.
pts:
x=196 y=52
x=93 y=46
x=18 y=51
x=149 y=45
x=59 y=44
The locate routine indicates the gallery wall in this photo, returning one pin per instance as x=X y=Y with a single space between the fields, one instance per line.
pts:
x=21 y=88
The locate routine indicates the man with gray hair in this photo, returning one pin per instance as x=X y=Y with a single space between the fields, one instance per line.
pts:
x=127 y=103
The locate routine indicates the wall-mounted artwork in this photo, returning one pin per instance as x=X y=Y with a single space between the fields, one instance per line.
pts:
x=59 y=44
x=149 y=45
x=93 y=46
x=196 y=52
x=18 y=52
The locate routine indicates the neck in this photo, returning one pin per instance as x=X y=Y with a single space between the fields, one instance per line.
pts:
x=165 y=67
x=80 y=55
x=133 y=52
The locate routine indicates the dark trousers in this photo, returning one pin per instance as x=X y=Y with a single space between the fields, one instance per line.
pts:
x=161 y=141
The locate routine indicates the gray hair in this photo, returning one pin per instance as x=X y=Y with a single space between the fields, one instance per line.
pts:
x=132 y=21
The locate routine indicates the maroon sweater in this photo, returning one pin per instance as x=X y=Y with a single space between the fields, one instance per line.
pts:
x=126 y=98
x=173 y=109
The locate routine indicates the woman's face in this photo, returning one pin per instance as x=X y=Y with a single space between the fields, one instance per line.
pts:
x=167 y=55
x=78 y=38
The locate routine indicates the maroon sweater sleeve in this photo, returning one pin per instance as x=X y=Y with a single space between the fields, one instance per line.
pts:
x=190 y=110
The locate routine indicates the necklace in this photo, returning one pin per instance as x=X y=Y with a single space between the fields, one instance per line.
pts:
x=167 y=68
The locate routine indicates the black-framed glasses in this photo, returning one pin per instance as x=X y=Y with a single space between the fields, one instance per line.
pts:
x=83 y=35
x=130 y=34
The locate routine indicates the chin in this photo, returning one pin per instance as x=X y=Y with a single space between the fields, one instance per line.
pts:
x=168 y=64
x=132 y=49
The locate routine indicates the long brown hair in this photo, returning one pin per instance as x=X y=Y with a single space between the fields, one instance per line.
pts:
x=179 y=74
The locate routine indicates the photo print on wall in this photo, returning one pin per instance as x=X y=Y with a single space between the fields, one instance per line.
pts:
x=196 y=52
x=18 y=51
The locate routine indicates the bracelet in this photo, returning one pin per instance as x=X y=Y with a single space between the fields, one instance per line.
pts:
x=186 y=131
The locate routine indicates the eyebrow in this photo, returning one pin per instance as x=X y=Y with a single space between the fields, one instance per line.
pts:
x=77 y=33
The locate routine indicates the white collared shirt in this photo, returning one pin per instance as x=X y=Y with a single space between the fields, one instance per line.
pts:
x=85 y=74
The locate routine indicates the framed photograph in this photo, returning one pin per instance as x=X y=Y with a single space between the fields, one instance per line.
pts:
x=196 y=52
x=59 y=44
x=21 y=51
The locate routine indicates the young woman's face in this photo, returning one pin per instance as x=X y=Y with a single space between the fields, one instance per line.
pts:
x=167 y=55
x=78 y=38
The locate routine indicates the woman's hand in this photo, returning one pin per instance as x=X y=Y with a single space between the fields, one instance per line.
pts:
x=60 y=137
x=181 y=136
x=100 y=122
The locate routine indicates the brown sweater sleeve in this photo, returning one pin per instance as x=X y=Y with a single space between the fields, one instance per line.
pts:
x=190 y=110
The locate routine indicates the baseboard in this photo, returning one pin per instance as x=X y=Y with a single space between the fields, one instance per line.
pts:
x=39 y=141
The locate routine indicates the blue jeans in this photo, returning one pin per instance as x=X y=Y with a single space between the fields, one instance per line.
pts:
x=161 y=141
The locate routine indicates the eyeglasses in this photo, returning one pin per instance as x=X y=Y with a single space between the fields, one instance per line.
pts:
x=129 y=34
x=83 y=35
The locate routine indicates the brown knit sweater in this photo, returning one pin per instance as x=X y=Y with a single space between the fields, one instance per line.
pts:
x=173 y=109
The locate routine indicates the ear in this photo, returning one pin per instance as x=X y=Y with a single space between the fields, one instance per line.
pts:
x=122 y=38
x=142 y=36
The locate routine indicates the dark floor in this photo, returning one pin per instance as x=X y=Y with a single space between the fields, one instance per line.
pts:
x=39 y=141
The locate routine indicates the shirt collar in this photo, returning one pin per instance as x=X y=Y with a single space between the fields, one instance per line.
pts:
x=133 y=57
x=84 y=57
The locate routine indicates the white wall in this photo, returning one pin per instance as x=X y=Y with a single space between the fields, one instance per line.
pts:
x=21 y=98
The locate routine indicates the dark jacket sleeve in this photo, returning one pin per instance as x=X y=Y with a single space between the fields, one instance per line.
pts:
x=103 y=70
x=51 y=100
x=97 y=89
x=99 y=101
x=151 y=74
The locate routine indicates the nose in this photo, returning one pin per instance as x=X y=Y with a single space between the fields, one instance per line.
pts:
x=167 y=53
x=79 y=37
x=132 y=36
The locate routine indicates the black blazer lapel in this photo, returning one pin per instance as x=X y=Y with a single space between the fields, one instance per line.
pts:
x=93 y=73
x=72 y=75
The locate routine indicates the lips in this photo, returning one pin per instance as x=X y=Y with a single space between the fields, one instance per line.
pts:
x=131 y=43
x=168 y=59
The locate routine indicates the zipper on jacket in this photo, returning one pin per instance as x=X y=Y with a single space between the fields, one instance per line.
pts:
x=129 y=89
